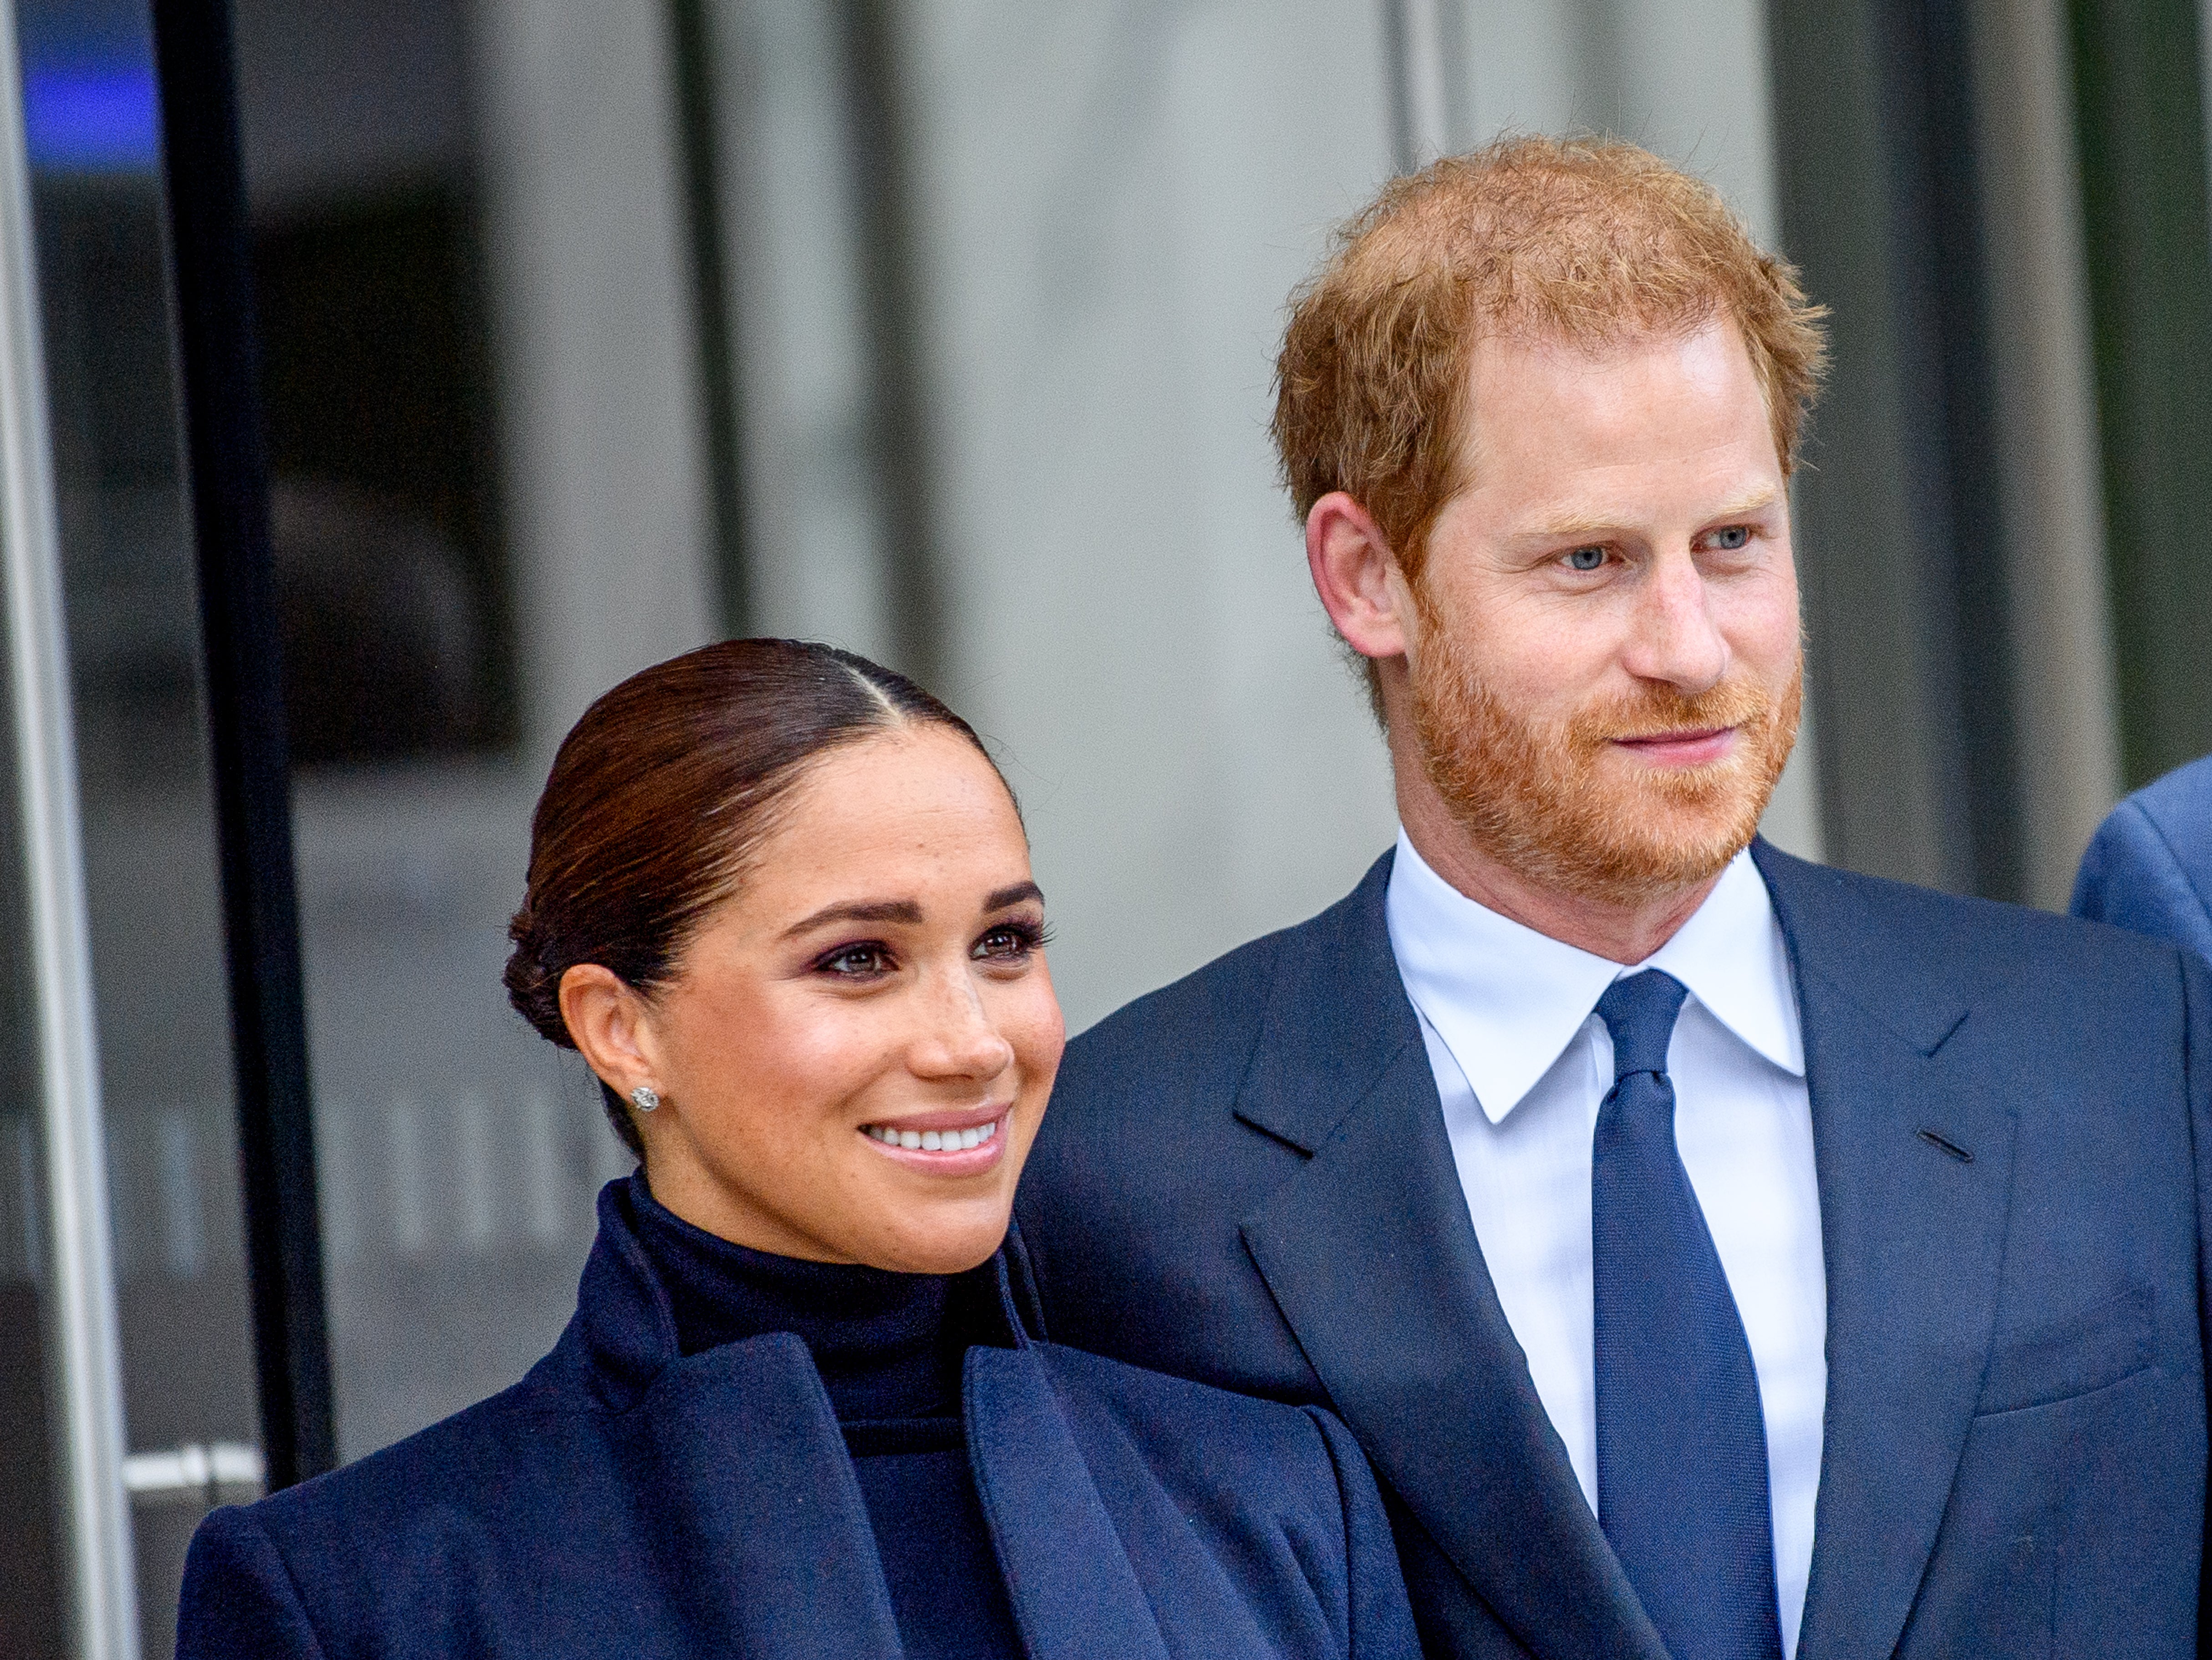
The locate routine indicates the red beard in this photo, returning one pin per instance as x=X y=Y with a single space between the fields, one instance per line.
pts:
x=1534 y=797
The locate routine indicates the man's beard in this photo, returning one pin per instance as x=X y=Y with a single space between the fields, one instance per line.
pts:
x=1531 y=794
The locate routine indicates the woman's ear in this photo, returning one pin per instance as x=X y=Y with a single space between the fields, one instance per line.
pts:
x=612 y=1025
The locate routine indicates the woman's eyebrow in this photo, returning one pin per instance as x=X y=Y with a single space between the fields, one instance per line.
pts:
x=1014 y=896
x=860 y=910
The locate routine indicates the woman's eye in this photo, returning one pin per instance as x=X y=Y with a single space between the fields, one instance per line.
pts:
x=1586 y=559
x=1007 y=944
x=1734 y=537
x=856 y=962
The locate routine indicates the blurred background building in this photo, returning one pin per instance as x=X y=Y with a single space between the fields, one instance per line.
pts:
x=587 y=331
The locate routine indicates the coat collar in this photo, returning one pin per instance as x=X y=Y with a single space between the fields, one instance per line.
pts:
x=1913 y=1234
x=624 y=1333
x=755 y=1507
x=1371 y=1253
x=754 y=1499
x=1075 y=1593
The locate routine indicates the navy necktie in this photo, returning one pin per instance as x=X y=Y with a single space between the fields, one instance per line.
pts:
x=1682 y=1447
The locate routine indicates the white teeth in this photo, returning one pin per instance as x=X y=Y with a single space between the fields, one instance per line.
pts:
x=933 y=1140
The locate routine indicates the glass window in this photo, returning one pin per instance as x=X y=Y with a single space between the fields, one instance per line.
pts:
x=149 y=872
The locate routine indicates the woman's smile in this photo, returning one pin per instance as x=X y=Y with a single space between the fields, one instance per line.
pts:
x=947 y=1144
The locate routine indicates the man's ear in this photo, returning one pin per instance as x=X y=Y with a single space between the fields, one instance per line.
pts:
x=1356 y=575
x=612 y=1027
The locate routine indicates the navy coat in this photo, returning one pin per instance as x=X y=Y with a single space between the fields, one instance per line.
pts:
x=624 y=1500
x=2149 y=866
x=2011 y=1115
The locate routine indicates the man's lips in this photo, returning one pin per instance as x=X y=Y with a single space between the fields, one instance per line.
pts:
x=1690 y=747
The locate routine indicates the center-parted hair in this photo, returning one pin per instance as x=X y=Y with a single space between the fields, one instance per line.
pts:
x=1591 y=242
x=660 y=795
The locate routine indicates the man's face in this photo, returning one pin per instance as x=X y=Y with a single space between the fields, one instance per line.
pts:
x=1604 y=662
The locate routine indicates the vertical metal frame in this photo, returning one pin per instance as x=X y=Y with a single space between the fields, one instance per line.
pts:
x=218 y=359
x=693 y=62
x=84 y=1345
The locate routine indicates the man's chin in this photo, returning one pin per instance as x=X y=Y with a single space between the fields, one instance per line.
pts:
x=1638 y=844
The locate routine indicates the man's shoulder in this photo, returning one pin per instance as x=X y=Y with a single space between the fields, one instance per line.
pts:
x=2182 y=801
x=1869 y=931
x=1201 y=1029
x=2149 y=866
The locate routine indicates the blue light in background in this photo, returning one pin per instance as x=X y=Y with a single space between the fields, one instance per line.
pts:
x=90 y=116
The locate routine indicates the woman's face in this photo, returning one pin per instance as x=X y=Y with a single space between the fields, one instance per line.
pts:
x=856 y=1050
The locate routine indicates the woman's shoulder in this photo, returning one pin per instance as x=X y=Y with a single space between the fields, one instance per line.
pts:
x=476 y=1463
x=1200 y=1431
x=468 y=1502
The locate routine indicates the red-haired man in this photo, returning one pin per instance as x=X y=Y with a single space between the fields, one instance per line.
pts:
x=1718 y=1256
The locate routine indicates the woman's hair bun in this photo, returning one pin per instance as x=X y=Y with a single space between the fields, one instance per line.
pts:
x=534 y=989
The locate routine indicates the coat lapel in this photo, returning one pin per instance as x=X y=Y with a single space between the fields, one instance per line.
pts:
x=1912 y=1234
x=1074 y=1593
x=768 y=1542
x=1371 y=1255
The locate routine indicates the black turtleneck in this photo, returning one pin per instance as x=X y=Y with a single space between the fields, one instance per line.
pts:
x=890 y=1349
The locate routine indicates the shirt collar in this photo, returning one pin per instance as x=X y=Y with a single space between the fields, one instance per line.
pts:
x=1507 y=1000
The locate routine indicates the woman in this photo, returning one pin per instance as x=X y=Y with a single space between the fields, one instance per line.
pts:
x=781 y=900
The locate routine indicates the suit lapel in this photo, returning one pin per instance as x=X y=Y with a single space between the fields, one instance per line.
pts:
x=1074 y=1593
x=1912 y=1235
x=768 y=1541
x=1371 y=1255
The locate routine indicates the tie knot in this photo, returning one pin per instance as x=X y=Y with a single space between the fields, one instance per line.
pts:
x=1639 y=1012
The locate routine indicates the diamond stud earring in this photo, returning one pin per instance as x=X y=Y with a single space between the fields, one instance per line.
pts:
x=645 y=1099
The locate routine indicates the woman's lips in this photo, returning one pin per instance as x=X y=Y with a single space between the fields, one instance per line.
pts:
x=1682 y=748
x=945 y=1143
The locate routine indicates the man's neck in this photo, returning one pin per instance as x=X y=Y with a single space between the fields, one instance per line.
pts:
x=1618 y=933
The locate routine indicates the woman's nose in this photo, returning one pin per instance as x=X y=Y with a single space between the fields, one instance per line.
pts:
x=959 y=1039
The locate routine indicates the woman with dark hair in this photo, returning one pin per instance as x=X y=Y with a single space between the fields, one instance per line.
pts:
x=781 y=900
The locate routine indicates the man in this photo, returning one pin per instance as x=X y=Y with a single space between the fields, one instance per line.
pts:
x=2149 y=866
x=1717 y=1255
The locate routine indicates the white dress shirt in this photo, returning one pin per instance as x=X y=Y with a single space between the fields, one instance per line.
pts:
x=1522 y=1063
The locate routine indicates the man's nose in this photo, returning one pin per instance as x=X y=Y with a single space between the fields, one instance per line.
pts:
x=1673 y=636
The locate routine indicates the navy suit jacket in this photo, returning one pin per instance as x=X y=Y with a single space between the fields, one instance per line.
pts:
x=624 y=1503
x=1245 y=1179
x=2149 y=866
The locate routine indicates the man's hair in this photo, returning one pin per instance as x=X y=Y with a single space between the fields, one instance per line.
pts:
x=1588 y=241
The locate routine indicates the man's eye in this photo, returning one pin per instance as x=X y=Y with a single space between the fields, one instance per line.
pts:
x=1586 y=559
x=1734 y=537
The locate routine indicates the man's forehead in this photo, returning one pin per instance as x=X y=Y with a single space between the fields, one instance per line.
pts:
x=1548 y=406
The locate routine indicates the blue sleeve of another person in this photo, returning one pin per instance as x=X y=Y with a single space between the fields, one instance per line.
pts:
x=2149 y=867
